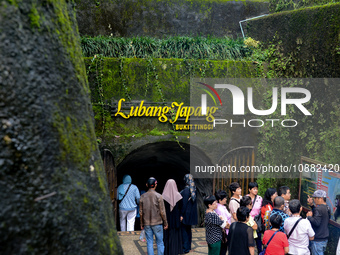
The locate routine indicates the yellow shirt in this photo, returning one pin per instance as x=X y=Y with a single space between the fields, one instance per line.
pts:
x=251 y=223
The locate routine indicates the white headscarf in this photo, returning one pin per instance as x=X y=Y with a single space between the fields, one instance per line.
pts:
x=171 y=194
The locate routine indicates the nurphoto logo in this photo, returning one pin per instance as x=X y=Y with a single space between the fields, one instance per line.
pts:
x=283 y=96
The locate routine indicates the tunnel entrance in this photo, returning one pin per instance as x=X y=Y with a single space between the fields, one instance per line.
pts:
x=165 y=160
x=169 y=160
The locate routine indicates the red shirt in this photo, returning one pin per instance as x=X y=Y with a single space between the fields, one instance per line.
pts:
x=265 y=208
x=277 y=244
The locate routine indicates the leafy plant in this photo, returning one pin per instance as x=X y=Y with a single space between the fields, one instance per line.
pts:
x=170 y=47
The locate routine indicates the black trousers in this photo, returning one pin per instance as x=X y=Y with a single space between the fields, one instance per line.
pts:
x=186 y=237
x=259 y=242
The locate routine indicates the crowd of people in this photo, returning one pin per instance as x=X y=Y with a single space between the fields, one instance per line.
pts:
x=273 y=224
x=168 y=216
x=274 y=216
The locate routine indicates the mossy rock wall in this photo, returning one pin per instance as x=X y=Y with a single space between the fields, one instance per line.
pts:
x=311 y=36
x=140 y=79
x=152 y=80
x=164 y=18
x=53 y=188
x=286 y=5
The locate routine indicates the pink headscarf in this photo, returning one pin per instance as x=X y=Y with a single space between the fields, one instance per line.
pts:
x=171 y=194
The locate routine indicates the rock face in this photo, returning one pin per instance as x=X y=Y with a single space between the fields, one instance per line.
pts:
x=160 y=18
x=309 y=36
x=53 y=190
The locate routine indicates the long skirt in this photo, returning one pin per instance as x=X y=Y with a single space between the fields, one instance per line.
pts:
x=173 y=241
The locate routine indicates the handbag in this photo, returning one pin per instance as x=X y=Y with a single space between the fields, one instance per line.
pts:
x=258 y=220
x=264 y=250
x=125 y=194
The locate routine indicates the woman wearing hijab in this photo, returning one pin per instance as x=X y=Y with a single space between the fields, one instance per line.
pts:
x=172 y=235
x=128 y=195
x=188 y=212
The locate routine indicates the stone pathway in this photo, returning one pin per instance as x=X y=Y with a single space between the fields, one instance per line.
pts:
x=132 y=246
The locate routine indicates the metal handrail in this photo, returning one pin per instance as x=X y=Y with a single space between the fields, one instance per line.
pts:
x=250 y=19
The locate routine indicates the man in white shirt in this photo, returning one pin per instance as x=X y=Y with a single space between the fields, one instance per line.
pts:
x=303 y=232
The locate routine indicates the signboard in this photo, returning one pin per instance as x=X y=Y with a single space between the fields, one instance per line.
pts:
x=317 y=175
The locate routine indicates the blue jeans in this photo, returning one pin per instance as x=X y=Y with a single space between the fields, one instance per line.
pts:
x=156 y=230
x=318 y=247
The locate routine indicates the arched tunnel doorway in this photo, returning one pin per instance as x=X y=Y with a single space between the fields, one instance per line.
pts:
x=166 y=160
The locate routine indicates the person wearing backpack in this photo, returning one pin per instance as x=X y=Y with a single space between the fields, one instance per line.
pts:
x=278 y=244
x=299 y=231
x=234 y=202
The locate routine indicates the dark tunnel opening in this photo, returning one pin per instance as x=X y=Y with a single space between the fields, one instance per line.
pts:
x=166 y=160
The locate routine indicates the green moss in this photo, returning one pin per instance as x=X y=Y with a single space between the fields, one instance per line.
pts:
x=34 y=17
x=69 y=38
x=75 y=142
x=68 y=197
x=202 y=2
x=307 y=48
x=284 y=5
x=101 y=178
x=140 y=76
x=13 y=2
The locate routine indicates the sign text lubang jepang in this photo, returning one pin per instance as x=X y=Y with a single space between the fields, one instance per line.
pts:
x=162 y=112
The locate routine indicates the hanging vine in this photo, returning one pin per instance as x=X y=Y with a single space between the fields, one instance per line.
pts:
x=123 y=80
x=97 y=65
x=153 y=73
x=191 y=68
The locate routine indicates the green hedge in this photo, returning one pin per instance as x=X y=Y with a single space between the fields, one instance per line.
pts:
x=171 y=47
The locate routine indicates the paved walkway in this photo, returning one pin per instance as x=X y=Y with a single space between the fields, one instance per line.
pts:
x=132 y=246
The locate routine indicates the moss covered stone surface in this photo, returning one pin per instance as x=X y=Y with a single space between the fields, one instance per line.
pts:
x=286 y=5
x=162 y=18
x=309 y=36
x=139 y=79
x=53 y=190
